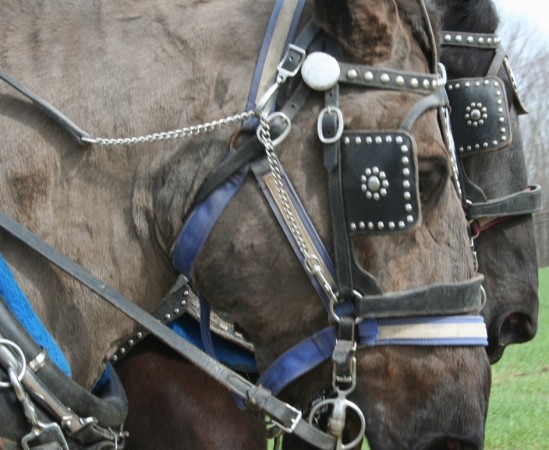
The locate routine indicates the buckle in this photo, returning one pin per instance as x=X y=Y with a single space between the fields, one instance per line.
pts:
x=294 y=421
x=327 y=138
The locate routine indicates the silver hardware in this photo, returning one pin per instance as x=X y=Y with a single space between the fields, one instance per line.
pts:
x=39 y=361
x=9 y=361
x=174 y=134
x=339 y=132
x=270 y=118
x=340 y=404
x=295 y=420
x=320 y=71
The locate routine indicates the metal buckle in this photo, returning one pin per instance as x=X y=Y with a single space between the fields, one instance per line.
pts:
x=295 y=420
x=42 y=428
x=281 y=136
x=339 y=130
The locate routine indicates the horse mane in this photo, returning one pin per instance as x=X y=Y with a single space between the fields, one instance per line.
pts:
x=338 y=17
x=474 y=16
x=478 y=16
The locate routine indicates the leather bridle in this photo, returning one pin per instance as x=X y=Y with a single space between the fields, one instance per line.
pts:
x=480 y=120
x=360 y=313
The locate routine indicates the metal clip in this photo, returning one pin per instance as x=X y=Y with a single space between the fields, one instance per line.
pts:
x=40 y=430
x=294 y=56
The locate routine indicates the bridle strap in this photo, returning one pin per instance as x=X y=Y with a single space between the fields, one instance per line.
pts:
x=48 y=109
x=516 y=204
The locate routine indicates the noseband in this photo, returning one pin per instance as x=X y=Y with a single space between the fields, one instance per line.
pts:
x=480 y=118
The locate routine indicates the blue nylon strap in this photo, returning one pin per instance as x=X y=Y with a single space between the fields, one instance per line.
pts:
x=199 y=224
x=312 y=351
x=271 y=33
x=22 y=310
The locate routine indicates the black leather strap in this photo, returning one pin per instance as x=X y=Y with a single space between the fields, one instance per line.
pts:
x=50 y=110
x=516 y=204
x=433 y=300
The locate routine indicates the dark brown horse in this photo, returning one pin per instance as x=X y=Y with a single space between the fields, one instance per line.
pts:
x=123 y=68
x=504 y=240
x=136 y=371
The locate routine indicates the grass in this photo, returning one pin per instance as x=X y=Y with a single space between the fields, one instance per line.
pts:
x=518 y=415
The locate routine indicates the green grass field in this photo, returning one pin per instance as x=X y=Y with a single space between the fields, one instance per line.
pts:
x=518 y=415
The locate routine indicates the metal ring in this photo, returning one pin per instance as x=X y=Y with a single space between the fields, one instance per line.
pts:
x=14 y=346
x=348 y=404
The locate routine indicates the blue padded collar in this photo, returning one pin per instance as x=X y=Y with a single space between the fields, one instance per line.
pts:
x=19 y=305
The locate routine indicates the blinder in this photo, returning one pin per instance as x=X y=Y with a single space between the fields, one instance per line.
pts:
x=479 y=114
x=379 y=181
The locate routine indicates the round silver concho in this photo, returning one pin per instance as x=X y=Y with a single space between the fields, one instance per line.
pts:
x=320 y=71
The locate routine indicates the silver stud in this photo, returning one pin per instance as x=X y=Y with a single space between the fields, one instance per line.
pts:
x=369 y=140
x=401 y=224
x=388 y=139
x=406 y=172
x=448 y=38
x=346 y=141
x=167 y=316
x=426 y=84
x=381 y=225
x=459 y=38
x=353 y=226
x=391 y=225
x=410 y=218
x=404 y=149
x=399 y=80
x=470 y=39
x=385 y=78
x=407 y=196
x=399 y=140
x=406 y=184
x=362 y=225
x=414 y=83
x=481 y=40
x=139 y=335
x=405 y=160
x=370 y=225
x=368 y=76
x=503 y=138
x=115 y=358
x=378 y=140
x=122 y=350
x=352 y=74
x=358 y=140
x=408 y=207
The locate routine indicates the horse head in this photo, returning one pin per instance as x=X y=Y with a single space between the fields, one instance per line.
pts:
x=499 y=201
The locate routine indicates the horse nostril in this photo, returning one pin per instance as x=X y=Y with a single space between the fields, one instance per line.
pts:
x=516 y=328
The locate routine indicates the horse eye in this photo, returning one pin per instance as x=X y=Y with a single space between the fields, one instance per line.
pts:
x=433 y=173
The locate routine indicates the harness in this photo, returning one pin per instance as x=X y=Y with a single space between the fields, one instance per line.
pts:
x=380 y=196
x=480 y=118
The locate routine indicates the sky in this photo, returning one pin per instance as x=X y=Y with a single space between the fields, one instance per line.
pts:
x=535 y=11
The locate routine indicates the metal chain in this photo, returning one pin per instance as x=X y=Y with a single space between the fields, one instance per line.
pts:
x=274 y=163
x=174 y=134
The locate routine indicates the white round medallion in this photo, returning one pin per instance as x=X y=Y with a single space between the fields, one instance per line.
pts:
x=320 y=71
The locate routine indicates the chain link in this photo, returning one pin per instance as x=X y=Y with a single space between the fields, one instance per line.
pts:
x=174 y=134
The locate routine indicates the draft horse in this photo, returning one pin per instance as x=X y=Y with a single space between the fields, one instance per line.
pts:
x=370 y=168
x=498 y=200
x=516 y=257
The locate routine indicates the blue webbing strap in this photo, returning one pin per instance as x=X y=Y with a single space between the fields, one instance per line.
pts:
x=319 y=347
